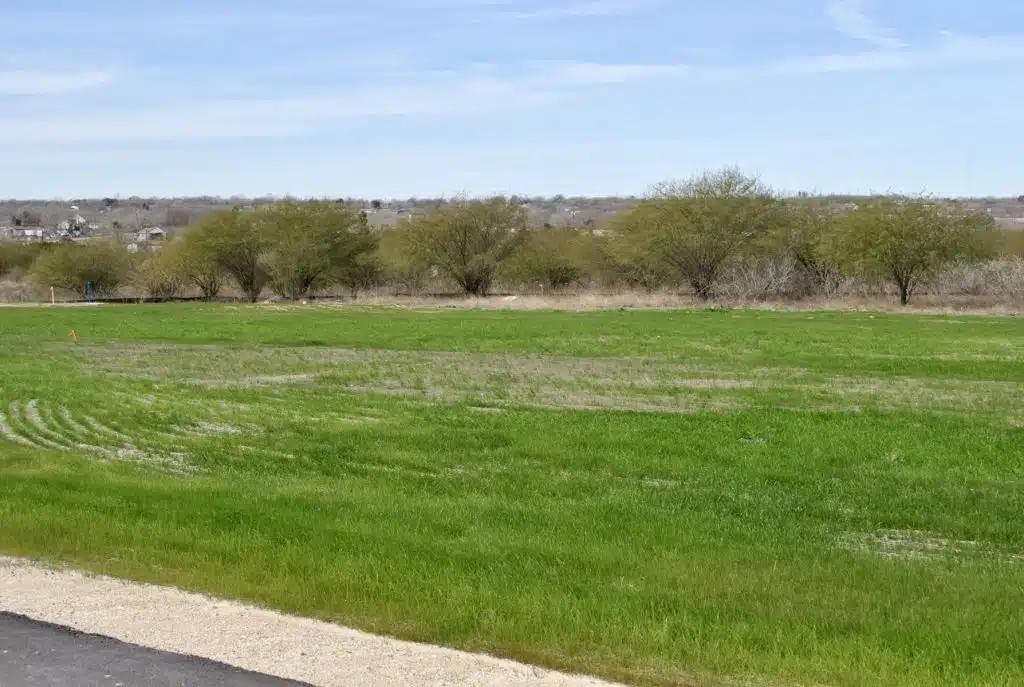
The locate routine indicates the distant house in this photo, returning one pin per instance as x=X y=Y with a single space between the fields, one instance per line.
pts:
x=382 y=218
x=153 y=234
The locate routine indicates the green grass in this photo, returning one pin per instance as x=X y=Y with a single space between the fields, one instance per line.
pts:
x=707 y=497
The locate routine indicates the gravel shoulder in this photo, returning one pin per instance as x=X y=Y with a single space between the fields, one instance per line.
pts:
x=34 y=654
x=249 y=638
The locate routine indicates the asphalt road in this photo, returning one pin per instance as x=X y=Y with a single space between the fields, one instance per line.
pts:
x=34 y=654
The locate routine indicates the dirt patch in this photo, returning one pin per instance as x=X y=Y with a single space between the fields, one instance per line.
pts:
x=925 y=546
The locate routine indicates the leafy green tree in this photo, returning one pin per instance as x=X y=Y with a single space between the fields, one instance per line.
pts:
x=468 y=240
x=231 y=241
x=73 y=266
x=162 y=274
x=365 y=271
x=308 y=245
x=17 y=257
x=556 y=257
x=906 y=241
x=804 y=232
x=695 y=227
x=194 y=261
x=399 y=266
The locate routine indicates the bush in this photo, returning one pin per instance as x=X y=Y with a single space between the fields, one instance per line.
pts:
x=194 y=262
x=698 y=226
x=17 y=257
x=308 y=245
x=1003 y=277
x=365 y=272
x=554 y=257
x=804 y=232
x=104 y=264
x=400 y=268
x=467 y=240
x=630 y=263
x=161 y=275
x=228 y=242
x=906 y=241
x=1009 y=243
x=760 y=277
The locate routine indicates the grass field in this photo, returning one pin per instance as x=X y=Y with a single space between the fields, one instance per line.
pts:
x=689 y=497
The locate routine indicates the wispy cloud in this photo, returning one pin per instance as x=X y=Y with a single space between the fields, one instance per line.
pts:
x=590 y=73
x=850 y=19
x=591 y=8
x=480 y=90
x=950 y=51
x=24 y=82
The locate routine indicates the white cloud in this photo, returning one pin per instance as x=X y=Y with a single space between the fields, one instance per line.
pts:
x=482 y=89
x=950 y=51
x=590 y=8
x=589 y=73
x=849 y=18
x=23 y=82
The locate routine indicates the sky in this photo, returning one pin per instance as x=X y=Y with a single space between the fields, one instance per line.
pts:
x=399 y=98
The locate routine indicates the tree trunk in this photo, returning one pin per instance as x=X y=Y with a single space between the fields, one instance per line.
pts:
x=702 y=288
x=906 y=288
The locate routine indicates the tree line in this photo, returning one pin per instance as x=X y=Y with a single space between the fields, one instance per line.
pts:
x=682 y=234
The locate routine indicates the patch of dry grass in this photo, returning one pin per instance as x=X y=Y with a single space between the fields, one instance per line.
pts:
x=632 y=384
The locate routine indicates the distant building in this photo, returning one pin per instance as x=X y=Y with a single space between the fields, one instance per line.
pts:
x=153 y=234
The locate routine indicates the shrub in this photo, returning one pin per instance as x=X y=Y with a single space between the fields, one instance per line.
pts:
x=555 y=257
x=73 y=266
x=308 y=245
x=194 y=262
x=228 y=242
x=162 y=275
x=467 y=240
x=17 y=257
x=697 y=226
x=760 y=277
x=399 y=267
x=803 y=233
x=906 y=241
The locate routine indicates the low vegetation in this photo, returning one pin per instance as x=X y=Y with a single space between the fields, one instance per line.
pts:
x=719 y=235
x=714 y=497
x=93 y=268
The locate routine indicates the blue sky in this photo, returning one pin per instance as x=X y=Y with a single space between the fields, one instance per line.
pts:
x=394 y=98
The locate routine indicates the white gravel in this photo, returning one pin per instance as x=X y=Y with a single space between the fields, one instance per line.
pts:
x=247 y=637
